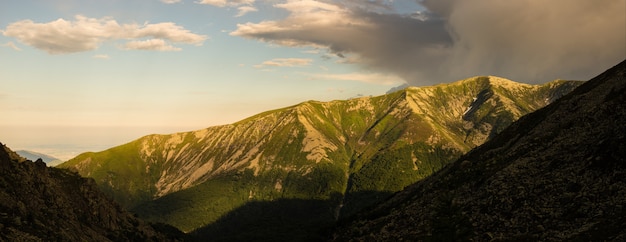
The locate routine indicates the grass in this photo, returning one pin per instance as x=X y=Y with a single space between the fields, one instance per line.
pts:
x=382 y=146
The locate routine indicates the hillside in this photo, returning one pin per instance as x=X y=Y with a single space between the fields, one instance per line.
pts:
x=555 y=175
x=347 y=154
x=38 y=203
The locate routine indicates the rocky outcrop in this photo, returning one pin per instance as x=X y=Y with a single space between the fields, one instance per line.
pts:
x=38 y=203
x=557 y=174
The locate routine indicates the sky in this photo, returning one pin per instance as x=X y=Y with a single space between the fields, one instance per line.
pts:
x=85 y=75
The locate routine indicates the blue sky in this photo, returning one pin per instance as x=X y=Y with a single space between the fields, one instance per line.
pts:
x=222 y=75
x=150 y=66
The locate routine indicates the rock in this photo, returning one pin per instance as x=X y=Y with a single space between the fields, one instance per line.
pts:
x=554 y=175
x=38 y=203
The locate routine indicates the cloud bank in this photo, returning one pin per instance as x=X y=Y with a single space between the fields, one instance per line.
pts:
x=84 y=34
x=528 y=40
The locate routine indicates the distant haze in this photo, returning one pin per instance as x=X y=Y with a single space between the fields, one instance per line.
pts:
x=65 y=142
x=33 y=156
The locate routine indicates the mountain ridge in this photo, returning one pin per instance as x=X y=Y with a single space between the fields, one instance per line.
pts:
x=313 y=150
x=553 y=175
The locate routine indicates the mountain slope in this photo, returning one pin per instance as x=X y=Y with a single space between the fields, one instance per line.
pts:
x=555 y=175
x=38 y=203
x=351 y=153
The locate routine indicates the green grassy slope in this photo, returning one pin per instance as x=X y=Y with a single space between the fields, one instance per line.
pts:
x=349 y=153
x=556 y=174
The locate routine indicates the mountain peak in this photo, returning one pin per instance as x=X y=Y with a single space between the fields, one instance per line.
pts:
x=491 y=81
x=480 y=82
x=314 y=150
x=500 y=81
x=397 y=88
x=555 y=174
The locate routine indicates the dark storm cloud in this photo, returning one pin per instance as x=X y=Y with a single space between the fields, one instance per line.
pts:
x=533 y=40
x=530 y=41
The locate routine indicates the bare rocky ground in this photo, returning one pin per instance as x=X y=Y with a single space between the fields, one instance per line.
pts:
x=39 y=203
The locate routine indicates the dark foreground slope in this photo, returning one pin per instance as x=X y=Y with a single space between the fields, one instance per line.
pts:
x=38 y=203
x=558 y=174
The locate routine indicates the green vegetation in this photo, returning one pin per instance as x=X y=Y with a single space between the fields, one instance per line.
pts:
x=392 y=170
x=134 y=181
x=279 y=220
x=199 y=205
x=209 y=201
x=341 y=156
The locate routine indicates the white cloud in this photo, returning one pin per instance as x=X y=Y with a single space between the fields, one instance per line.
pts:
x=226 y=3
x=12 y=46
x=151 y=44
x=243 y=6
x=104 y=57
x=170 y=1
x=310 y=6
x=311 y=51
x=243 y=10
x=84 y=34
x=169 y=31
x=375 y=78
x=285 y=62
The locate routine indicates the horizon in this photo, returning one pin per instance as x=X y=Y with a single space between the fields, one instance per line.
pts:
x=98 y=74
x=80 y=139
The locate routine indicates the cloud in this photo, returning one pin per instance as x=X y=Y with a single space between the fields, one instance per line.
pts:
x=169 y=31
x=226 y=3
x=383 y=42
x=285 y=62
x=12 y=46
x=243 y=6
x=529 y=40
x=243 y=10
x=84 y=34
x=170 y=1
x=151 y=44
x=533 y=39
x=311 y=51
x=104 y=57
x=374 y=78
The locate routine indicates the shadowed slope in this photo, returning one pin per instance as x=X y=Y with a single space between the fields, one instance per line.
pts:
x=555 y=175
x=38 y=203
